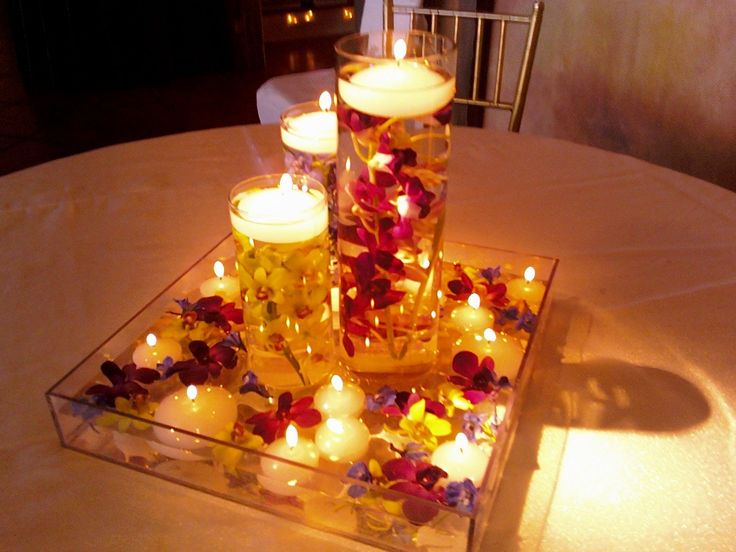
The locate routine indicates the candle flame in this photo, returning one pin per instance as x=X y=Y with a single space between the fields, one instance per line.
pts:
x=335 y=425
x=292 y=436
x=151 y=340
x=219 y=269
x=439 y=294
x=325 y=101
x=309 y=349
x=399 y=49
x=489 y=334
x=402 y=205
x=336 y=382
x=286 y=183
x=461 y=442
x=474 y=300
x=192 y=392
x=529 y=273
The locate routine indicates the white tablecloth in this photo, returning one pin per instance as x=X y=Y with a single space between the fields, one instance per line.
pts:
x=627 y=436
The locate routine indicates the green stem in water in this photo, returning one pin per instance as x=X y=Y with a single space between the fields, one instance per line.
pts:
x=294 y=363
x=438 y=231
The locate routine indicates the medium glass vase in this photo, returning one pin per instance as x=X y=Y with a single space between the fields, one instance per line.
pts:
x=395 y=92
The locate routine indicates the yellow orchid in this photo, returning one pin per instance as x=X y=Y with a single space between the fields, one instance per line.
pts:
x=230 y=457
x=424 y=427
x=141 y=409
x=453 y=398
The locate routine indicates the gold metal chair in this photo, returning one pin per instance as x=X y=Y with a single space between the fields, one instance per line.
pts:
x=431 y=17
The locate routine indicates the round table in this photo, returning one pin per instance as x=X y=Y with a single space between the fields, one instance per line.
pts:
x=627 y=435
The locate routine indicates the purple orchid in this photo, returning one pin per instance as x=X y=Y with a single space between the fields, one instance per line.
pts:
x=210 y=310
x=302 y=163
x=251 y=384
x=478 y=379
x=462 y=495
x=491 y=274
x=384 y=397
x=359 y=471
x=126 y=382
x=207 y=361
x=412 y=451
x=472 y=426
x=271 y=425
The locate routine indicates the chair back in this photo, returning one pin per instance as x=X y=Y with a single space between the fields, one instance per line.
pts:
x=431 y=18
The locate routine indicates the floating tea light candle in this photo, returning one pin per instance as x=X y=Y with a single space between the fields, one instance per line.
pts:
x=305 y=129
x=472 y=317
x=204 y=410
x=400 y=88
x=225 y=286
x=339 y=399
x=155 y=350
x=461 y=459
x=342 y=439
x=527 y=289
x=282 y=478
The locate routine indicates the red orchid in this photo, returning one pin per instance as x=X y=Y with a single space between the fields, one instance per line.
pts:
x=125 y=382
x=271 y=425
x=368 y=196
x=210 y=310
x=461 y=288
x=404 y=400
x=356 y=120
x=417 y=194
x=496 y=294
x=444 y=115
x=207 y=361
x=418 y=479
x=406 y=156
x=478 y=379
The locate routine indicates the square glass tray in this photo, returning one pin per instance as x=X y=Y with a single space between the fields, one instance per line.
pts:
x=324 y=496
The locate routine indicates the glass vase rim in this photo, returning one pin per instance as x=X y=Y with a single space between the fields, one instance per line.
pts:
x=448 y=51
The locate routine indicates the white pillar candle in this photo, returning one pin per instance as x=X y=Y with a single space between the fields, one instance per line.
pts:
x=342 y=439
x=505 y=350
x=339 y=399
x=527 y=289
x=397 y=88
x=472 y=317
x=461 y=459
x=312 y=132
x=283 y=214
x=282 y=478
x=226 y=287
x=155 y=350
x=200 y=409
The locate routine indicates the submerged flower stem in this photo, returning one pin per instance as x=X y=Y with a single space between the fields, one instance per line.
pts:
x=438 y=231
x=390 y=332
x=357 y=148
x=294 y=363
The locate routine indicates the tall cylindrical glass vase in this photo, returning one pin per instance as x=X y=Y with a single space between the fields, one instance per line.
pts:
x=395 y=92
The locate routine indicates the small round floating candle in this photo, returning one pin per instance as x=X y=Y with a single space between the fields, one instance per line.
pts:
x=342 y=439
x=155 y=350
x=226 y=287
x=527 y=289
x=201 y=409
x=461 y=459
x=311 y=131
x=338 y=399
x=282 y=478
x=472 y=317
x=505 y=350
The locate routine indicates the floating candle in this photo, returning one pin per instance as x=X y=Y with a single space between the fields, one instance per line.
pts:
x=155 y=350
x=282 y=478
x=339 y=399
x=312 y=130
x=472 y=317
x=342 y=439
x=226 y=287
x=505 y=350
x=397 y=88
x=461 y=459
x=201 y=409
x=283 y=214
x=527 y=289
